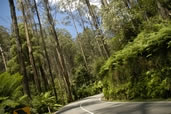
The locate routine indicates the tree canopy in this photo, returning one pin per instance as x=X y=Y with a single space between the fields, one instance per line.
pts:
x=122 y=48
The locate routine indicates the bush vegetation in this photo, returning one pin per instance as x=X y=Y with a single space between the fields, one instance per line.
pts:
x=142 y=68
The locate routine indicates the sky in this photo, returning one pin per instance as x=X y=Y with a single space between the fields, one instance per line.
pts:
x=5 y=18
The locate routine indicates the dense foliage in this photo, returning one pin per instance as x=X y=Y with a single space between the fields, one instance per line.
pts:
x=122 y=49
x=142 y=68
x=10 y=91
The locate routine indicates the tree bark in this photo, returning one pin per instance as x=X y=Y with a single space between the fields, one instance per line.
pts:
x=31 y=17
x=103 y=49
x=79 y=40
x=45 y=50
x=59 y=70
x=3 y=58
x=92 y=14
x=82 y=21
x=19 y=48
x=32 y=24
x=29 y=45
x=163 y=11
x=59 y=52
x=104 y=3
x=46 y=84
x=84 y=28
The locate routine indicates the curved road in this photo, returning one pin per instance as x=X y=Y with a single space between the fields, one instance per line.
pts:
x=94 y=105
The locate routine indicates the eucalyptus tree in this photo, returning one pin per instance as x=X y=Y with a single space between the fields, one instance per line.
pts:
x=77 y=11
x=164 y=11
x=29 y=45
x=100 y=41
x=81 y=18
x=121 y=18
x=45 y=48
x=104 y=3
x=3 y=57
x=4 y=48
x=30 y=16
x=70 y=13
x=19 y=48
x=37 y=51
x=58 y=49
x=84 y=17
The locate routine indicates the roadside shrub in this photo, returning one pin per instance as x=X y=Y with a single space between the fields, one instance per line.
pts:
x=142 y=68
x=10 y=92
x=44 y=103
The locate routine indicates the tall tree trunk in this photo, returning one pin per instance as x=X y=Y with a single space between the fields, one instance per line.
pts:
x=163 y=11
x=98 y=45
x=126 y=4
x=45 y=49
x=84 y=28
x=29 y=45
x=3 y=58
x=104 y=3
x=32 y=22
x=82 y=21
x=92 y=14
x=58 y=48
x=19 y=48
x=91 y=24
x=103 y=49
x=59 y=70
x=46 y=84
x=79 y=39
x=95 y=25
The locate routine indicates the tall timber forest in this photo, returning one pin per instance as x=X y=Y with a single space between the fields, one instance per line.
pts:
x=121 y=48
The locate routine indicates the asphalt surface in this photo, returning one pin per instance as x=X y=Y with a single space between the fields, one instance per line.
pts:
x=94 y=105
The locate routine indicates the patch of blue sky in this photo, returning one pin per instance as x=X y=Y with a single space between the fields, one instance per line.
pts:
x=5 y=19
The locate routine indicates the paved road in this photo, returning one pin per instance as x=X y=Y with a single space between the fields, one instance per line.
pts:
x=94 y=105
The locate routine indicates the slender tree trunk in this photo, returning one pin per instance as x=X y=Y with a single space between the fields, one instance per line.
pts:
x=46 y=84
x=82 y=21
x=103 y=49
x=19 y=48
x=79 y=40
x=163 y=12
x=62 y=85
x=29 y=45
x=104 y=3
x=59 y=70
x=84 y=28
x=58 y=48
x=98 y=45
x=3 y=58
x=97 y=42
x=91 y=24
x=32 y=24
x=45 y=50
x=32 y=21
x=126 y=3
x=92 y=14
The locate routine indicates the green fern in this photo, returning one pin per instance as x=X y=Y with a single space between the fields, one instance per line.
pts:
x=42 y=102
x=133 y=63
x=10 y=91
